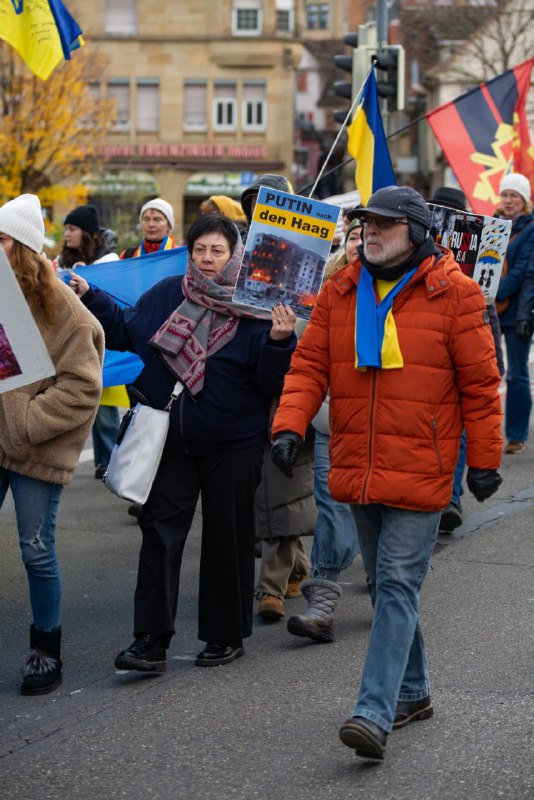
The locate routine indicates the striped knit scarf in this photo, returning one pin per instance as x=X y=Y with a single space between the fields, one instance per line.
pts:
x=203 y=323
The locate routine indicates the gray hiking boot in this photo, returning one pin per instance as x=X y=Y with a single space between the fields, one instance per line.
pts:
x=317 y=621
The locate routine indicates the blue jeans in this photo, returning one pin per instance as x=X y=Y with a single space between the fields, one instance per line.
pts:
x=36 y=504
x=518 y=397
x=458 y=483
x=105 y=430
x=335 y=543
x=396 y=547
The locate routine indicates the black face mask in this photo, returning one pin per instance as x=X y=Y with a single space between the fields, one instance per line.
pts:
x=418 y=255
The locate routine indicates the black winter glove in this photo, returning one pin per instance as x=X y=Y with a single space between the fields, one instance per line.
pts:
x=523 y=329
x=285 y=450
x=483 y=482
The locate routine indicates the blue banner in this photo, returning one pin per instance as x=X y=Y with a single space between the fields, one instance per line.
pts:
x=125 y=281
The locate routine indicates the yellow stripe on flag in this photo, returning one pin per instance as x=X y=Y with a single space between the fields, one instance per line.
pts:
x=361 y=145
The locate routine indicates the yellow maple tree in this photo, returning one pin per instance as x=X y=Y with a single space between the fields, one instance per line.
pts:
x=50 y=130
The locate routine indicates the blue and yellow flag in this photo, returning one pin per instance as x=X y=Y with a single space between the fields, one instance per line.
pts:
x=42 y=32
x=367 y=144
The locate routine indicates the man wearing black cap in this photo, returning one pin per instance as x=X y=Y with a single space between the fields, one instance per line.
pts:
x=401 y=339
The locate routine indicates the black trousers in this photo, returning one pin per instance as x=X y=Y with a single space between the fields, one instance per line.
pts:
x=227 y=483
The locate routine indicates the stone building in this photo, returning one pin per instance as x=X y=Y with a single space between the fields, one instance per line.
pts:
x=204 y=96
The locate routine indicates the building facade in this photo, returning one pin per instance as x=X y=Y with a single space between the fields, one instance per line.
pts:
x=204 y=98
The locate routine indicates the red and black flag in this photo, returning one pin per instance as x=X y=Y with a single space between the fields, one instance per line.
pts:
x=484 y=134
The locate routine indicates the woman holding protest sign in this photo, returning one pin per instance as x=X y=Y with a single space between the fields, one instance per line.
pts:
x=43 y=428
x=231 y=360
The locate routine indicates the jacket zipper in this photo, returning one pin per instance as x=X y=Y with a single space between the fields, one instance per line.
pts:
x=435 y=441
x=371 y=434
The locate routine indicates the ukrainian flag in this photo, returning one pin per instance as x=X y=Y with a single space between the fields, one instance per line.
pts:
x=367 y=144
x=41 y=31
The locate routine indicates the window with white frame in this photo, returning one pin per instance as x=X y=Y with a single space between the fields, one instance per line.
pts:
x=247 y=17
x=120 y=17
x=254 y=106
x=317 y=16
x=119 y=90
x=224 y=105
x=195 y=104
x=285 y=16
x=148 y=105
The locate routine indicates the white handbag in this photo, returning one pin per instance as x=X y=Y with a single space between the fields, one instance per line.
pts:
x=137 y=452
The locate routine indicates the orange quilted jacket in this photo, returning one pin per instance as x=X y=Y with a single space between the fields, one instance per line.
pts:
x=395 y=432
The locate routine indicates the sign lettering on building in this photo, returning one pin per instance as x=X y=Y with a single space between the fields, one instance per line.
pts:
x=182 y=151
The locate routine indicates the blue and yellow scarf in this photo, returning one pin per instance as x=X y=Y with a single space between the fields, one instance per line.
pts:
x=376 y=340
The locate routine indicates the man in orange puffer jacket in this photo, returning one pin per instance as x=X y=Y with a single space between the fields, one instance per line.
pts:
x=401 y=337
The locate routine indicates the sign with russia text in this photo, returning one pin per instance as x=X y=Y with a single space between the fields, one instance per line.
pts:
x=287 y=247
x=478 y=244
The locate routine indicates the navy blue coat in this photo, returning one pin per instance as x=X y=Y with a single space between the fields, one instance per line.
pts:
x=241 y=379
x=517 y=256
x=526 y=298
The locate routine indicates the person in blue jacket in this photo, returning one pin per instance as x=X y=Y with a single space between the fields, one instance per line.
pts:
x=231 y=360
x=515 y=205
x=524 y=323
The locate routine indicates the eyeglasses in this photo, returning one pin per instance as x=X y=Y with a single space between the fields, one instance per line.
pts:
x=382 y=223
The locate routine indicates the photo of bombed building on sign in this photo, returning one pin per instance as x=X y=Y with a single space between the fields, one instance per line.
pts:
x=9 y=365
x=286 y=251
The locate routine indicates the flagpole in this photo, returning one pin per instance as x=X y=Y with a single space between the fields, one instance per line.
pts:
x=349 y=114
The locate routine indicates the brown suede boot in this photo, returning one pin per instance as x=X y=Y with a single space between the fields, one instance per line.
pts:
x=293 y=586
x=270 y=607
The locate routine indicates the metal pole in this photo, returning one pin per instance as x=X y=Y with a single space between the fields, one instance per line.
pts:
x=381 y=23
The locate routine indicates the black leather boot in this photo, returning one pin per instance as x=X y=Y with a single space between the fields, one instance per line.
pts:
x=41 y=670
x=146 y=654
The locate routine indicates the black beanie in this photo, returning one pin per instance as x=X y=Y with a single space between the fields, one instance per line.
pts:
x=84 y=217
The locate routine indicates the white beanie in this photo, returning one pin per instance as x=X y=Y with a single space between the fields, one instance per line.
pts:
x=515 y=182
x=22 y=219
x=158 y=204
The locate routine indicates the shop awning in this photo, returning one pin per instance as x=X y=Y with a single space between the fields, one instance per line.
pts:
x=205 y=184
x=124 y=182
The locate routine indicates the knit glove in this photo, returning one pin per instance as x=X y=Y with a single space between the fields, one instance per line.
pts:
x=483 y=482
x=523 y=329
x=285 y=450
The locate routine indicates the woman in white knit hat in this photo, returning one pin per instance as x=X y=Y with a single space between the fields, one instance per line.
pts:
x=515 y=205
x=43 y=428
x=157 y=221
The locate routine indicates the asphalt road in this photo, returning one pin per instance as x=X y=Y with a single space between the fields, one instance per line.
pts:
x=266 y=726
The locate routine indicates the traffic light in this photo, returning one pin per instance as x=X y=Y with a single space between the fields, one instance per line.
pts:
x=364 y=46
x=391 y=61
x=345 y=88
